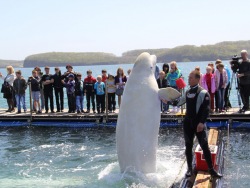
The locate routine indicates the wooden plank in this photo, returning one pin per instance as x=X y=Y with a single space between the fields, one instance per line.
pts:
x=202 y=180
x=214 y=136
x=210 y=135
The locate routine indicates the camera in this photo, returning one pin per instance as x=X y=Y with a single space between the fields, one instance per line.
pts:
x=235 y=63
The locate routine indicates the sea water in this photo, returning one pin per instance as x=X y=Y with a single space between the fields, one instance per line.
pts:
x=185 y=68
x=63 y=157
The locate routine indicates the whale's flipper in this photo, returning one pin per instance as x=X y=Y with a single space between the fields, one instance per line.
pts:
x=168 y=94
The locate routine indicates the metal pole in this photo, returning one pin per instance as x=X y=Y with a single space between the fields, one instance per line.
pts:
x=182 y=105
x=106 y=100
x=31 y=105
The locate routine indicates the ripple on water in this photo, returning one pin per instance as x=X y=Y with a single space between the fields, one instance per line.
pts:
x=78 y=158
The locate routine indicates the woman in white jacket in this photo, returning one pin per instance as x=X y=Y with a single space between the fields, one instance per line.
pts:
x=7 y=88
x=221 y=84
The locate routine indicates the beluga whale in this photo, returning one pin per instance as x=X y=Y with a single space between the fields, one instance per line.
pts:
x=139 y=117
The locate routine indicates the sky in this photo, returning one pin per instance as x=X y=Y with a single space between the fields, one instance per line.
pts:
x=36 y=26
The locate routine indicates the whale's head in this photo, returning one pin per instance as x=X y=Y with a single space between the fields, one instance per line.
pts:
x=145 y=63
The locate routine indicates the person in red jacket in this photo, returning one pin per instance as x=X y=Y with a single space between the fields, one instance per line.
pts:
x=89 y=83
x=104 y=75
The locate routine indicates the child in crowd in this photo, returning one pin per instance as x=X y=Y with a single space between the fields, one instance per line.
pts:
x=100 y=94
x=199 y=70
x=128 y=71
x=111 y=88
x=171 y=77
x=79 y=91
x=40 y=74
x=212 y=66
x=19 y=87
x=165 y=68
x=89 y=83
x=34 y=81
x=162 y=83
x=70 y=85
x=104 y=75
x=221 y=84
x=208 y=83
x=65 y=78
x=120 y=81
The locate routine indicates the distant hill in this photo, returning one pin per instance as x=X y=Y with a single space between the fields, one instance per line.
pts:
x=4 y=63
x=222 y=50
x=64 y=58
x=186 y=53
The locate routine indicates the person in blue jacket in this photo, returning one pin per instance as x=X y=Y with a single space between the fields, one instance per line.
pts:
x=171 y=77
x=100 y=94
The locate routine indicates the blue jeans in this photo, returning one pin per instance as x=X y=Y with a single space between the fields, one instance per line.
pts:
x=220 y=95
x=79 y=102
x=20 y=99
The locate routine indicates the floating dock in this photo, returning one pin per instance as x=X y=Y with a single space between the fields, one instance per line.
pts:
x=63 y=119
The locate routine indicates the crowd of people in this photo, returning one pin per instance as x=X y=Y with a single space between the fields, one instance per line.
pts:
x=44 y=86
x=216 y=80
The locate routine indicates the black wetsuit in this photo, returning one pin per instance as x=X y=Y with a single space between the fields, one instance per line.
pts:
x=193 y=117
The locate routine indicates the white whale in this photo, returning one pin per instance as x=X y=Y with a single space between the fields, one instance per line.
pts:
x=139 y=117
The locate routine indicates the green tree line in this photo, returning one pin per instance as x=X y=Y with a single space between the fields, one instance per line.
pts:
x=186 y=53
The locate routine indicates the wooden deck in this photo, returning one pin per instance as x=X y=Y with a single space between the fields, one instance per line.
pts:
x=65 y=119
x=231 y=114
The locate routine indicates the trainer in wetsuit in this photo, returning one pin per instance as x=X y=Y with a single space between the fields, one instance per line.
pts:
x=198 y=105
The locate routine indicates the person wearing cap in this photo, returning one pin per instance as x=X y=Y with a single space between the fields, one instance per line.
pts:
x=19 y=87
x=79 y=92
x=47 y=81
x=58 y=88
x=89 y=83
x=70 y=86
x=244 y=80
